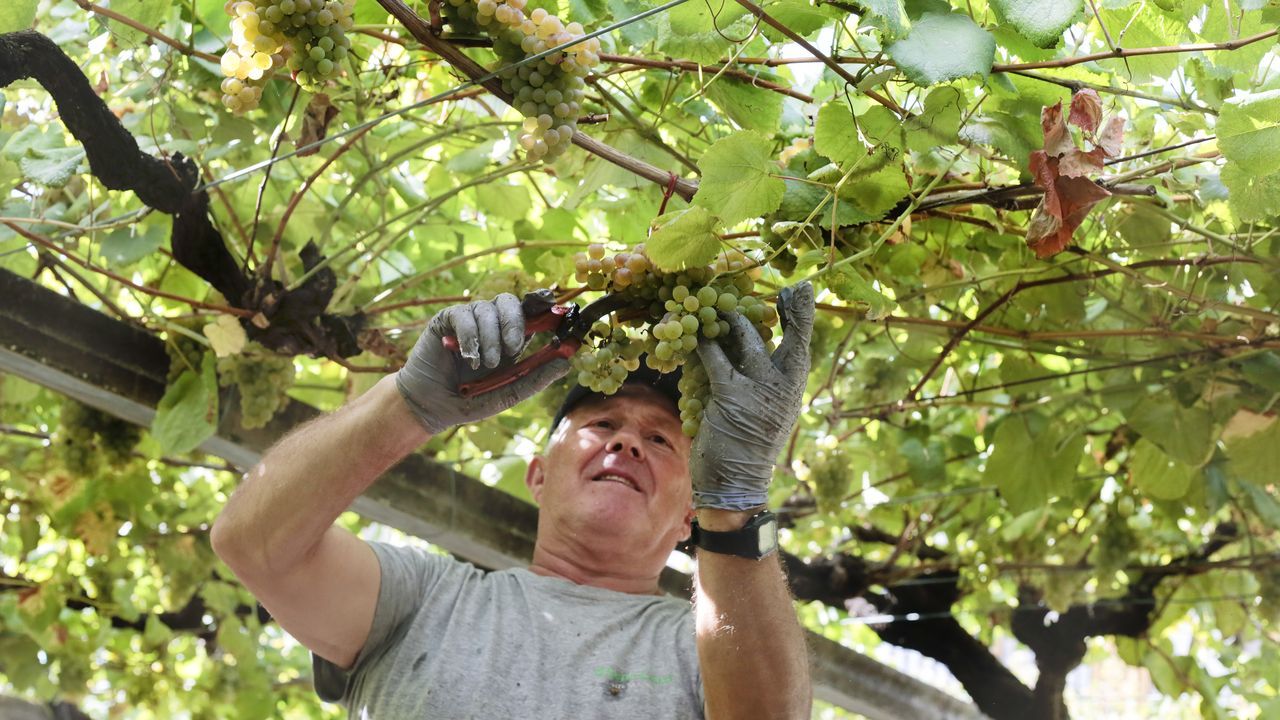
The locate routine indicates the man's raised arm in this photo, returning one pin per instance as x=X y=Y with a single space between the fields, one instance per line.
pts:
x=276 y=533
x=750 y=646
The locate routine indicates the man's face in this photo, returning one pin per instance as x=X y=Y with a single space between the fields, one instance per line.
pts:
x=618 y=467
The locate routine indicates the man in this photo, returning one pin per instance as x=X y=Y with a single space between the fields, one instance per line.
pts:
x=583 y=632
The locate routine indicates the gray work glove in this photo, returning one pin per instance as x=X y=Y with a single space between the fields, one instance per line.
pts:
x=755 y=400
x=489 y=333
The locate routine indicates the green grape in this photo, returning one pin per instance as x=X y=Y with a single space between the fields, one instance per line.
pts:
x=690 y=324
x=680 y=293
x=707 y=295
x=726 y=302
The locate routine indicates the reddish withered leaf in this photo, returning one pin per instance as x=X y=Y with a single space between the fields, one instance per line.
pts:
x=1057 y=139
x=1062 y=169
x=1112 y=138
x=1086 y=111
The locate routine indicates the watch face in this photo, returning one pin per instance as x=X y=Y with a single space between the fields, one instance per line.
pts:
x=767 y=536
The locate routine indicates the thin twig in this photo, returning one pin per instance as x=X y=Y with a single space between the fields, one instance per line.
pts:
x=49 y=244
x=150 y=32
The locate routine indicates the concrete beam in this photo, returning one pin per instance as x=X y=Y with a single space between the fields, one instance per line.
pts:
x=59 y=343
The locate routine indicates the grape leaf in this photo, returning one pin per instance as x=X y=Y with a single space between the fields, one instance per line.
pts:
x=850 y=287
x=1256 y=457
x=798 y=15
x=17 y=15
x=1030 y=469
x=149 y=13
x=188 y=413
x=686 y=238
x=750 y=107
x=1186 y=434
x=700 y=31
x=1249 y=132
x=1040 y=21
x=892 y=12
x=125 y=246
x=738 y=179
x=1157 y=475
x=938 y=124
x=1252 y=197
x=834 y=136
x=52 y=167
x=944 y=47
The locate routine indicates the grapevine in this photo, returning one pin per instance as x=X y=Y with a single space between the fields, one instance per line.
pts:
x=307 y=36
x=262 y=379
x=671 y=311
x=547 y=92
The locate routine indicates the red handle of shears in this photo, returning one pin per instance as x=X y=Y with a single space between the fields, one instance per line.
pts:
x=542 y=322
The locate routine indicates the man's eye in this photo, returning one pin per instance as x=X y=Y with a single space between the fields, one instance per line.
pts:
x=661 y=439
x=603 y=423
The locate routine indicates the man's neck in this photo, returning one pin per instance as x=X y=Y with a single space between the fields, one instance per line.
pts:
x=591 y=570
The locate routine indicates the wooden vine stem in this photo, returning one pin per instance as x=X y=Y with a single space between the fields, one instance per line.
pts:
x=420 y=29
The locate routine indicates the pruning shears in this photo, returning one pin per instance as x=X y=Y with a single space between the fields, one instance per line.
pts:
x=568 y=324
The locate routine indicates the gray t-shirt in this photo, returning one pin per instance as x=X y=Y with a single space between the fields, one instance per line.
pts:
x=452 y=641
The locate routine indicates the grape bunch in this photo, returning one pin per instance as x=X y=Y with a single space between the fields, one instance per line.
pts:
x=262 y=378
x=670 y=311
x=548 y=92
x=307 y=36
x=89 y=439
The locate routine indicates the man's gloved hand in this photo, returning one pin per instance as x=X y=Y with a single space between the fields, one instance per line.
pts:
x=755 y=400
x=488 y=333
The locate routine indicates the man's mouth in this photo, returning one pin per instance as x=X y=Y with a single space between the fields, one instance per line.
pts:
x=610 y=477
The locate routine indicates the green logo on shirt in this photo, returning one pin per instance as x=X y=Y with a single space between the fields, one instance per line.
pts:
x=615 y=675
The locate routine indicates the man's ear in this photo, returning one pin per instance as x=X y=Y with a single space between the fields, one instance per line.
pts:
x=534 y=477
x=686 y=530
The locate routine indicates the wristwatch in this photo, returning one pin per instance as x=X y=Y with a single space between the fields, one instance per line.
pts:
x=755 y=540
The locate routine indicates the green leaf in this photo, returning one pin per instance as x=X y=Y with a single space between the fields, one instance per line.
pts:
x=738 y=179
x=892 y=12
x=188 y=413
x=835 y=137
x=750 y=107
x=151 y=13
x=52 y=167
x=1263 y=504
x=687 y=238
x=850 y=287
x=1186 y=434
x=1014 y=136
x=1249 y=132
x=700 y=31
x=939 y=122
x=17 y=15
x=799 y=15
x=125 y=246
x=1032 y=460
x=1157 y=475
x=801 y=198
x=218 y=22
x=1252 y=197
x=944 y=47
x=879 y=192
x=1040 y=21
x=1256 y=457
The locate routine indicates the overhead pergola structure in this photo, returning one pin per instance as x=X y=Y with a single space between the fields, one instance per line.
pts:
x=57 y=342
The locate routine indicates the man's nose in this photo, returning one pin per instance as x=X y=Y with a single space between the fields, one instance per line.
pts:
x=624 y=443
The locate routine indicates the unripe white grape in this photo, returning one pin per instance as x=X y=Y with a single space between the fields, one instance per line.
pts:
x=538 y=15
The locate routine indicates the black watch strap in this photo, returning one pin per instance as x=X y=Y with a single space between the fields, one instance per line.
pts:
x=756 y=539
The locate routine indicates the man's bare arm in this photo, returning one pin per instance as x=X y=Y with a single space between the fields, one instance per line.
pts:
x=276 y=533
x=750 y=646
